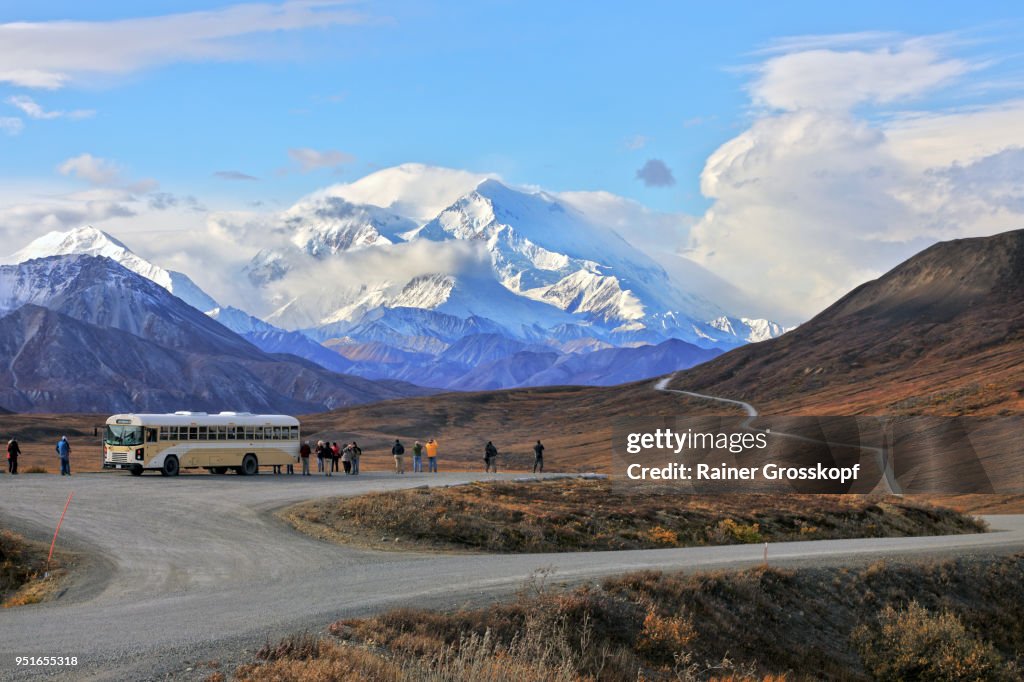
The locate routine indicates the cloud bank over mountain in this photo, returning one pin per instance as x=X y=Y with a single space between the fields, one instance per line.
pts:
x=838 y=177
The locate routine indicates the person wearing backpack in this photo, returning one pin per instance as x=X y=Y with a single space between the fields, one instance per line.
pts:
x=398 y=450
x=490 y=457
x=417 y=458
x=64 y=452
x=13 y=450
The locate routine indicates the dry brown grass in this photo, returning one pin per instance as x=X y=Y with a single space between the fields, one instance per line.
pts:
x=759 y=624
x=977 y=504
x=575 y=515
x=23 y=578
x=913 y=643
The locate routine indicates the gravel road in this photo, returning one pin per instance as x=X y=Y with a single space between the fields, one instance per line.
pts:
x=197 y=568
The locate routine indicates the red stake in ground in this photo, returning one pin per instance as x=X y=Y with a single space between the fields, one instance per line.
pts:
x=54 y=542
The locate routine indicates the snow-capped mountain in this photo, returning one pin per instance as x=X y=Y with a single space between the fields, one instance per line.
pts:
x=89 y=241
x=427 y=274
x=751 y=331
x=83 y=333
x=540 y=250
x=93 y=242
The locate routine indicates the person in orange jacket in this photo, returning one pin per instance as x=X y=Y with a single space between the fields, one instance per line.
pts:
x=431 y=455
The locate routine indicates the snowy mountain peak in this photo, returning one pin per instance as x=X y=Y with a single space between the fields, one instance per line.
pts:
x=90 y=241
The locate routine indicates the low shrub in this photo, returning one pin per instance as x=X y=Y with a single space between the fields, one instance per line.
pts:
x=913 y=643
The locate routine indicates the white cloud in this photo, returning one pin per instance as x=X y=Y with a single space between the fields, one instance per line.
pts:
x=315 y=159
x=637 y=142
x=91 y=169
x=49 y=55
x=832 y=79
x=816 y=196
x=12 y=125
x=32 y=109
x=19 y=220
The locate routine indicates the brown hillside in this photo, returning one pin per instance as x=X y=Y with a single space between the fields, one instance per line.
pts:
x=941 y=334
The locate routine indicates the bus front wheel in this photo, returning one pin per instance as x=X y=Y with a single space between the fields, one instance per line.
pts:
x=136 y=471
x=250 y=465
x=170 y=467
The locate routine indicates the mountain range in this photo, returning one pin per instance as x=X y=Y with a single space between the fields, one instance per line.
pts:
x=527 y=290
x=82 y=333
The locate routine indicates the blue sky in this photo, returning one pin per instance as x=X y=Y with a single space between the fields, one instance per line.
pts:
x=543 y=93
x=564 y=96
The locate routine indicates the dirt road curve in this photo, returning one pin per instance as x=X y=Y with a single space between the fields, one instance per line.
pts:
x=192 y=568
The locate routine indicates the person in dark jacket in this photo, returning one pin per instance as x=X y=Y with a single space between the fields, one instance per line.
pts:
x=490 y=457
x=304 y=452
x=335 y=454
x=13 y=450
x=398 y=450
x=538 y=457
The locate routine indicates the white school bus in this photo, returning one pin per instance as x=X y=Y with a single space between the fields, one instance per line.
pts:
x=167 y=443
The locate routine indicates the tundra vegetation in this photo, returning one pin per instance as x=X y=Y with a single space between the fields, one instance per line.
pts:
x=24 y=578
x=944 y=620
x=580 y=515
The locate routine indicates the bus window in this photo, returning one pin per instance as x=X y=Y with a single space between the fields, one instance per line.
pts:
x=163 y=433
x=277 y=433
x=258 y=433
x=193 y=433
x=295 y=433
x=203 y=433
x=240 y=431
x=231 y=432
x=150 y=435
x=250 y=433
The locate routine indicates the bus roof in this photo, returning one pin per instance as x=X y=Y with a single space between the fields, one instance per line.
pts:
x=201 y=418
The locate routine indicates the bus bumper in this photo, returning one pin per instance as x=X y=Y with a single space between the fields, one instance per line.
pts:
x=121 y=465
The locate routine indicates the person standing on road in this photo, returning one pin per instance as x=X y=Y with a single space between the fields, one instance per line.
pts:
x=64 y=452
x=346 y=458
x=490 y=457
x=432 y=455
x=538 y=457
x=417 y=458
x=357 y=452
x=335 y=454
x=304 y=452
x=13 y=450
x=323 y=452
x=319 y=456
x=398 y=450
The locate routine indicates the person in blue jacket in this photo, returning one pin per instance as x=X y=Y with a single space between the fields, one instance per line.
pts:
x=64 y=452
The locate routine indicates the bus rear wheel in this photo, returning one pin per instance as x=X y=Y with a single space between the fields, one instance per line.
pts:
x=170 y=467
x=250 y=465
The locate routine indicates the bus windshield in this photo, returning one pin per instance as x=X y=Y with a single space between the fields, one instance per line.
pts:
x=123 y=435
